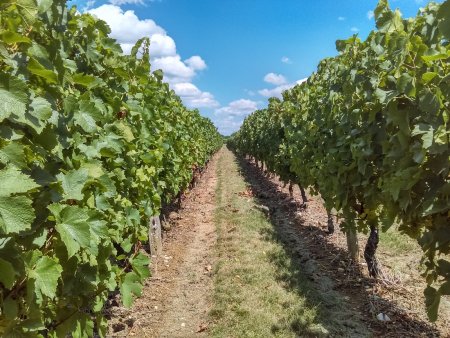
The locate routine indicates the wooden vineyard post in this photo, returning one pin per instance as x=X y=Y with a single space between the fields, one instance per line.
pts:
x=352 y=245
x=154 y=236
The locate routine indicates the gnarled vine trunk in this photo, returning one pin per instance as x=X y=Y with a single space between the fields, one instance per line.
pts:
x=369 y=252
x=302 y=191
x=330 y=223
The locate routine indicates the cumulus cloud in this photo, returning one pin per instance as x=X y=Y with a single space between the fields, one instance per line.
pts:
x=285 y=59
x=228 y=125
x=230 y=117
x=354 y=29
x=123 y=2
x=276 y=79
x=241 y=107
x=341 y=18
x=276 y=92
x=160 y=45
x=127 y=28
x=195 y=62
x=370 y=15
x=194 y=97
x=174 y=69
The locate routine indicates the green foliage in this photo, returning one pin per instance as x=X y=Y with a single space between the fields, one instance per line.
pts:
x=91 y=144
x=370 y=130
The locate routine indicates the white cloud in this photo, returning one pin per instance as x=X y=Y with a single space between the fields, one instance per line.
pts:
x=285 y=59
x=276 y=79
x=341 y=18
x=228 y=125
x=174 y=69
x=195 y=62
x=178 y=71
x=276 y=92
x=194 y=97
x=240 y=107
x=354 y=29
x=229 y=118
x=123 y=2
x=160 y=45
x=370 y=15
x=127 y=28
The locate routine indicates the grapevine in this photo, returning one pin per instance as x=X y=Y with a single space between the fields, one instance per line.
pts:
x=369 y=131
x=92 y=142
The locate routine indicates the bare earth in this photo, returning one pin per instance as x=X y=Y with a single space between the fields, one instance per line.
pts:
x=175 y=301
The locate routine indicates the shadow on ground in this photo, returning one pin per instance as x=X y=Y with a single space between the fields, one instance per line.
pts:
x=346 y=302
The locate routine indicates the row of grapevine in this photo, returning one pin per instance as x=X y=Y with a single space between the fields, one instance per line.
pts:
x=91 y=144
x=369 y=131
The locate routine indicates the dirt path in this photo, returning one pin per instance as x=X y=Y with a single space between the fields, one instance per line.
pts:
x=267 y=282
x=305 y=231
x=243 y=259
x=176 y=299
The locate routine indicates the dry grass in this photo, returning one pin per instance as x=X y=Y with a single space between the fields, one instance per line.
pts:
x=252 y=296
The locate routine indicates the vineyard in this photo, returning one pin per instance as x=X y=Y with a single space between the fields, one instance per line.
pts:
x=369 y=132
x=94 y=144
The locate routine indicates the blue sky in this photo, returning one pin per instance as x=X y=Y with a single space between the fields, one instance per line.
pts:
x=227 y=57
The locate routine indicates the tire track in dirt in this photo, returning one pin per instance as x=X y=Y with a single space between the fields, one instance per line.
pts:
x=176 y=300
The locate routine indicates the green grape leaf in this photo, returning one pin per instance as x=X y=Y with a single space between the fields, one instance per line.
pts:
x=16 y=214
x=428 y=101
x=38 y=115
x=85 y=121
x=406 y=84
x=13 y=37
x=44 y=5
x=13 y=96
x=28 y=10
x=13 y=181
x=428 y=76
x=73 y=183
x=443 y=16
x=37 y=69
x=8 y=275
x=84 y=80
x=130 y=285
x=140 y=265
x=46 y=274
x=87 y=116
x=10 y=308
x=125 y=131
x=73 y=227
x=13 y=153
